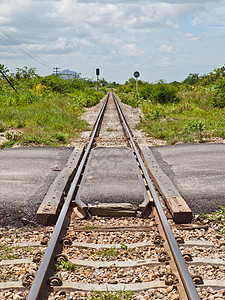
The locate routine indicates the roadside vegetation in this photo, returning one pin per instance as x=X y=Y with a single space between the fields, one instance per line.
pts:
x=47 y=110
x=44 y=110
x=188 y=111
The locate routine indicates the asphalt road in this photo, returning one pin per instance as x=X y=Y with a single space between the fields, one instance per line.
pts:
x=198 y=172
x=112 y=177
x=25 y=176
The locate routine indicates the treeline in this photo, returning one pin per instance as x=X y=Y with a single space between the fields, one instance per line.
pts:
x=162 y=92
x=31 y=88
x=46 y=110
x=179 y=112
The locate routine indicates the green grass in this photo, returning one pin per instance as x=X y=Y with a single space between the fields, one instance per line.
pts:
x=65 y=265
x=188 y=111
x=7 y=144
x=9 y=252
x=218 y=217
x=112 y=251
x=9 y=276
x=110 y=129
x=123 y=295
x=46 y=110
x=193 y=119
x=50 y=122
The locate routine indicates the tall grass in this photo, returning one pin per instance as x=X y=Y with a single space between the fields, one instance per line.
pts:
x=183 y=122
x=45 y=111
x=183 y=115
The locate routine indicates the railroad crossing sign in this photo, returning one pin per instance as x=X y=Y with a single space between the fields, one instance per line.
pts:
x=136 y=74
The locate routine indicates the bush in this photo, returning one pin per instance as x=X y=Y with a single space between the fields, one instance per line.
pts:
x=159 y=93
x=218 y=99
x=165 y=93
x=63 y=86
x=195 y=126
x=2 y=127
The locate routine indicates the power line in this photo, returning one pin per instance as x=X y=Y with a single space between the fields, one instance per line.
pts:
x=30 y=55
x=12 y=50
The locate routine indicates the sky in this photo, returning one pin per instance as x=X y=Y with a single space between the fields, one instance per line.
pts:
x=161 y=39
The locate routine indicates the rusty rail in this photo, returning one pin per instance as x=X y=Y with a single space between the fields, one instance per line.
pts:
x=40 y=286
x=187 y=281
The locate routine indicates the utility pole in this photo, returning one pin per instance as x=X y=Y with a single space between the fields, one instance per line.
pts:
x=55 y=70
x=8 y=81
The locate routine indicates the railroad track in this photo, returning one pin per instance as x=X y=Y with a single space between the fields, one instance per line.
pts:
x=112 y=247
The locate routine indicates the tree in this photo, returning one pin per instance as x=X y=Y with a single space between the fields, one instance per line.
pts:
x=3 y=69
x=103 y=82
x=192 y=78
x=26 y=73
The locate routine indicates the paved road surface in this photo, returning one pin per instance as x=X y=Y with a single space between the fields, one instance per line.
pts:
x=198 y=172
x=112 y=178
x=25 y=175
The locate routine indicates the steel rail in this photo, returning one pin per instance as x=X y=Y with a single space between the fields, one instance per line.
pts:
x=40 y=283
x=189 y=286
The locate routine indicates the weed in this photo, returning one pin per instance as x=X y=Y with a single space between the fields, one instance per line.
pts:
x=9 y=276
x=65 y=265
x=7 y=252
x=194 y=126
x=220 y=214
x=2 y=127
x=13 y=136
x=8 y=144
x=111 y=129
x=218 y=217
x=123 y=247
x=47 y=109
x=112 y=251
x=218 y=99
x=123 y=295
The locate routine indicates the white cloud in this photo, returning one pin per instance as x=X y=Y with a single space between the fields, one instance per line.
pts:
x=131 y=50
x=164 y=61
x=165 y=49
x=191 y=37
x=86 y=32
x=213 y=16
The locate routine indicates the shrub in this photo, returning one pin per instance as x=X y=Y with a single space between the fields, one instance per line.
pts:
x=218 y=99
x=165 y=93
x=2 y=127
x=159 y=93
x=195 y=126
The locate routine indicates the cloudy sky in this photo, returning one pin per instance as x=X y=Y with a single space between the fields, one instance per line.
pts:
x=161 y=39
